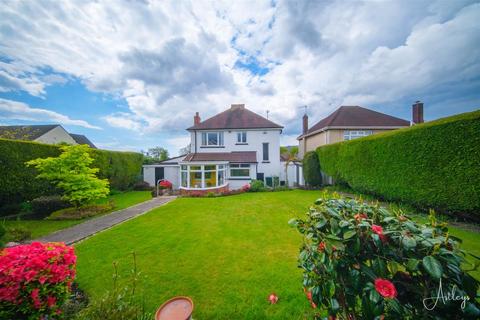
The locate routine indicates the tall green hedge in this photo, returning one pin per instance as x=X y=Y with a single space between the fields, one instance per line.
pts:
x=18 y=182
x=432 y=165
x=311 y=170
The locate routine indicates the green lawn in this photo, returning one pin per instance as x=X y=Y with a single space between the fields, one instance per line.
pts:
x=227 y=253
x=43 y=227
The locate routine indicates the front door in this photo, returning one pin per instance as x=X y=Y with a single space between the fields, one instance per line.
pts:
x=159 y=174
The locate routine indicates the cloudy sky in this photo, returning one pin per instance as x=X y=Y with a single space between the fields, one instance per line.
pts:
x=131 y=74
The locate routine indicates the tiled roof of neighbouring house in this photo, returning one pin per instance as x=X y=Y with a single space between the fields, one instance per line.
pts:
x=355 y=116
x=25 y=132
x=236 y=117
x=240 y=156
x=81 y=139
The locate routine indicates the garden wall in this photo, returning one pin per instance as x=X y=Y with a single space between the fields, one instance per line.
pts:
x=431 y=165
x=18 y=182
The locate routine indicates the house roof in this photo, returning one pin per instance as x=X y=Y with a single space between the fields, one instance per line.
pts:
x=236 y=117
x=355 y=116
x=81 y=139
x=240 y=156
x=25 y=132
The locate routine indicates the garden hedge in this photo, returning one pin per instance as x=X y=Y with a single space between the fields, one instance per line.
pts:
x=311 y=170
x=431 y=165
x=18 y=182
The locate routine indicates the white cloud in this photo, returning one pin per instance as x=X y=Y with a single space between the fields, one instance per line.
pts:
x=20 y=111
x=170 y=59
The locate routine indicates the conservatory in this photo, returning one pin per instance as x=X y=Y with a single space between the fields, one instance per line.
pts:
x=195 y=176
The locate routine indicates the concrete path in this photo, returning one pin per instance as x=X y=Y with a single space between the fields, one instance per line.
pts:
x=93 y=226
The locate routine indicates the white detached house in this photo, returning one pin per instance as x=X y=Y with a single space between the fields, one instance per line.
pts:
x=227 y=151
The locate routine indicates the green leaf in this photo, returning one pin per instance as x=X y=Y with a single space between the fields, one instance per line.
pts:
x=349 y=234
x=409 y=242
x=335 y=305
x=374 y=296
x=433 y=267
x=293 y=222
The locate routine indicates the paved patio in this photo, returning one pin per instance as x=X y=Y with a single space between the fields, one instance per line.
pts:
x=93 y=226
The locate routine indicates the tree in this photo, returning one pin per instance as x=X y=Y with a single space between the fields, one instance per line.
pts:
x=289 y=154
x=155 y=154
x=71 y=172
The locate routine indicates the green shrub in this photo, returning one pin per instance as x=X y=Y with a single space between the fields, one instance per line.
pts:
x=142 y=186
x=82 y=212
x=45 y=205
x=3 y=232
x=432 y=165
x=18 y=183
x=311 y=170
x=72 y=172
x=18 y=234
x=257 y=186
x=365 y=262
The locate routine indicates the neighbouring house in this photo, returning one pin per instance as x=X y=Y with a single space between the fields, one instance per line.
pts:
x=351 y=122
x=227 y=151
x=49 y=134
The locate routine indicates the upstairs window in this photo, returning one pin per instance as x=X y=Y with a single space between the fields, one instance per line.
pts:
x=242 y=137
x=354 y=134
x=212 y=139
x=265 y=152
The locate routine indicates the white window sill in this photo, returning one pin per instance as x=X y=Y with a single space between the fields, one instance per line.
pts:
x=209 y=188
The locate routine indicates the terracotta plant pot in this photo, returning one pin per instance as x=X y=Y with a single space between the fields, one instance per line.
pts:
x=177 y=308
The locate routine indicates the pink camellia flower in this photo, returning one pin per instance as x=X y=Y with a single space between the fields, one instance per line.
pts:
x=377 y=229
x=385 y=288
x=273 y=298
x=51 y=301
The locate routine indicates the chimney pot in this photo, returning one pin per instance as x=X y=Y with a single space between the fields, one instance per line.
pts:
x=305 y=123
x=196 y=119
x=417 y=112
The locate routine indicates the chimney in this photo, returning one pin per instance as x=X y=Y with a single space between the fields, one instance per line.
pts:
x=305 y=123
x=238 y=106
x=417 y=112
x=196 y=119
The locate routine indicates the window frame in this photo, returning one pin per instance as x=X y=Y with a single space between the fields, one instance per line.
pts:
x=242 y=137
x=355 y=134
x=206 y=141
x=265 y=155
x=239 y=167
x=186 y=171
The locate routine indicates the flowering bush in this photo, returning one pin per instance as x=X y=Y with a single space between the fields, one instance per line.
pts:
x=246 y=187
x=165 y=184
x=35 y=280
x=365 y=262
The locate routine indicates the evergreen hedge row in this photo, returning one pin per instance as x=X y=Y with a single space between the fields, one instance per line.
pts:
x=18 y=182
x=311 y=170
x=432 y=165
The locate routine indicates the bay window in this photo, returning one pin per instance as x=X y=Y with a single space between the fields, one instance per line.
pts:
x=202 y=176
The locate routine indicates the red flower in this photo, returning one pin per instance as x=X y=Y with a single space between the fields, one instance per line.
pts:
x=165 y=184
x=273 y=298
x=385 y=288
x=377 y=229
x=51 y=301
x=321 y=246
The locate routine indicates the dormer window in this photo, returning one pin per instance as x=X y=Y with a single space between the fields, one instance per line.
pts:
x=242 y=137
x=212 y=139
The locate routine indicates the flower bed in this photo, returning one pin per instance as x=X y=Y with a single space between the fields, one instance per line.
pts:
x=365 y=262
x=35 y=280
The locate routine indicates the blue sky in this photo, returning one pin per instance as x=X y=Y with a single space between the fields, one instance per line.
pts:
x=131 y=75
